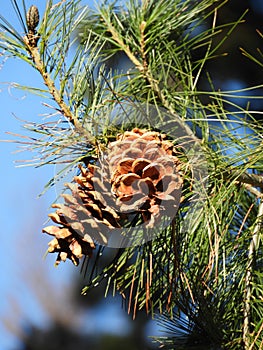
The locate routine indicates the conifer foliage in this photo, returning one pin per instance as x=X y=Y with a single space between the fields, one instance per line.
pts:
x=189 y=245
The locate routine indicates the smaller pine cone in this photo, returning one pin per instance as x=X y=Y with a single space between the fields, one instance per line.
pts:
x=84 y=218
x=32 y=19
x=137 y=181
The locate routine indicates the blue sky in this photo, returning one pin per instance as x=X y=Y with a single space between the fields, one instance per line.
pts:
x=22 y=214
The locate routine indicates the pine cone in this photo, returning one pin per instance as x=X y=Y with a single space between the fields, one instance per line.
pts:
x=32 y=19
x=83 y=218
x=144 y=175
x=135 y=182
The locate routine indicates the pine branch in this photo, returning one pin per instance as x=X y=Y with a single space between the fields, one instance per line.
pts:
x=197 y=268
x=65 y=110
x=246 y=178
x=253 y=190
x=141 y=66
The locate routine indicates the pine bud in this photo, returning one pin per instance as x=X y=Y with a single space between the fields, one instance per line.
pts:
x=32 y=18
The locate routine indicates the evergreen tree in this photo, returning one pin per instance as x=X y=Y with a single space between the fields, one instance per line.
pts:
x=167 y=186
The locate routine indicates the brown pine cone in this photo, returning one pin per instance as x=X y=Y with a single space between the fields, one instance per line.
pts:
x=138 y=178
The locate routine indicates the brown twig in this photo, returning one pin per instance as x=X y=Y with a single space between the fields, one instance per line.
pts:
x=64 y=109
x=246 y=178
x=140 y=66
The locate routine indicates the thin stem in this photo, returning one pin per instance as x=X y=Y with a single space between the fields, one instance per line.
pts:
x=256 y=337
x=253 y=190
x=246 y=178
x=142 y=67
x=143 y=45
x=248 y=278
x=65 y=110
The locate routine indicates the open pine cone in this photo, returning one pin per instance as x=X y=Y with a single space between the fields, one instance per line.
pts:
x=136 y=181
